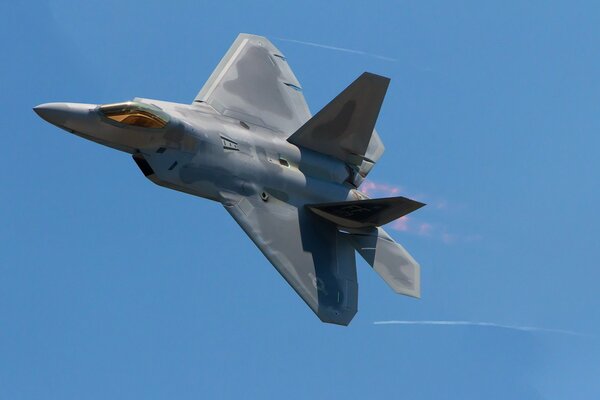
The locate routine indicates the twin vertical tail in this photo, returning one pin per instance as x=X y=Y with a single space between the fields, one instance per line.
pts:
x=345 y=129
x=360 y=221
x=365 y=214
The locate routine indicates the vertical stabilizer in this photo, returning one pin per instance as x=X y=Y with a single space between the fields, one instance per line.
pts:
x=343 y=128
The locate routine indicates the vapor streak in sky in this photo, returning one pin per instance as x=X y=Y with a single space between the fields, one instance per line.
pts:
x=342 y=49
x=482 y=324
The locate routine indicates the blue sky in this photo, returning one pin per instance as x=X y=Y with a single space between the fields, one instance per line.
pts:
x=112 y=287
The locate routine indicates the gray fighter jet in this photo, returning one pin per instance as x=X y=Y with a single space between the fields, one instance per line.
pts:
x=288 y=178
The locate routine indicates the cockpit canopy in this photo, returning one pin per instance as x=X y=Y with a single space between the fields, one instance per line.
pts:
x=136 y=114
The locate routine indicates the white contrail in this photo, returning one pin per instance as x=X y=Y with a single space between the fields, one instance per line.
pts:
x=324 y=46
x=485 y=324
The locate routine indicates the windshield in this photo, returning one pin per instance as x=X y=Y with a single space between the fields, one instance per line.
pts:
x=136 y=114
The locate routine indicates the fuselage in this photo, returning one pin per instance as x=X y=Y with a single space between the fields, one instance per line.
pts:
x=201 y=152
x=289 y=179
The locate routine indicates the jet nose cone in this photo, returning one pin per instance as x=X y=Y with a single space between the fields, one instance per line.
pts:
x=55 y=113
x=69 y=116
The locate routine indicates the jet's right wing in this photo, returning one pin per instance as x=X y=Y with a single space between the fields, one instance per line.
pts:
x=309 y=252
x=254 y=83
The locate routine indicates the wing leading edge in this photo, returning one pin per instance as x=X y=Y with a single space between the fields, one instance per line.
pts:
x=254 y=83
x=311 y=255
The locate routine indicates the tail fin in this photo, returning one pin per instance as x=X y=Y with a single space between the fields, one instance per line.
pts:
x=344 y=127
x=362 y=218
x=389 y=259
x=365 y=213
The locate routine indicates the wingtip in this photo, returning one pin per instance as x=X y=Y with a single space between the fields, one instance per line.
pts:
x=251 y=36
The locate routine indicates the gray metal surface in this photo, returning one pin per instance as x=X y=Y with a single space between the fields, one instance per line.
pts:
x=230 y=145
x=389 y=259
x=343 y=128
x=312 y=256
x=365 y=213
x=254 y=83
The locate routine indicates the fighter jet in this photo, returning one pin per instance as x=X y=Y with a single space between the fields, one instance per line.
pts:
x=289 y=179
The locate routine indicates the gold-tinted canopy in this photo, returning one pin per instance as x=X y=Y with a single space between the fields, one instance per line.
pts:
x=136 y=114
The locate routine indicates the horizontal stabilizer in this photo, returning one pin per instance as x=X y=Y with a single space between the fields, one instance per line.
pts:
x=343 y=128
x=365 y=213
x=390 y=260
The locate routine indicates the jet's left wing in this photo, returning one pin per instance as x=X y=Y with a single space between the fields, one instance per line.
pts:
x=310 y=254
x=254 y=83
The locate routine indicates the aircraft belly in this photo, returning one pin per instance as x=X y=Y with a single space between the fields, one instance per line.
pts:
x=289 y=179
